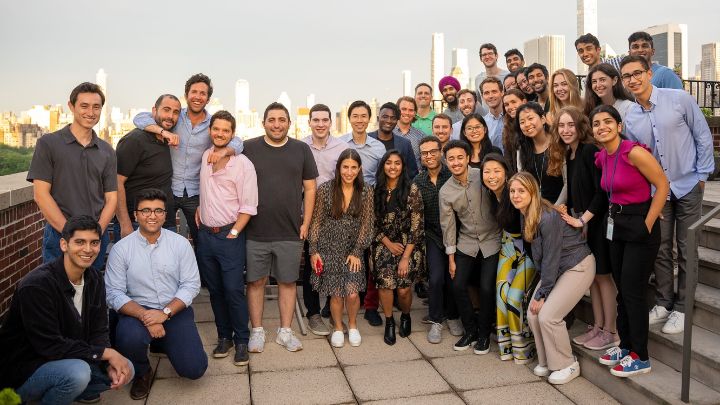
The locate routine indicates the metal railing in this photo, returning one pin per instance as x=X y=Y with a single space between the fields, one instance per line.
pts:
x=691 y=280
x=705 y=92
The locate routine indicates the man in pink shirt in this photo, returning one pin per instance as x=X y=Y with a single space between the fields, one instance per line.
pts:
x=228 y=198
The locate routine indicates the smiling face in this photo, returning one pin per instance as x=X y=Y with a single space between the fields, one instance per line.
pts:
x=494 y=176
x=320 y=124
x=407 y=112
x=605 y=128
x=387 y=120
x=276 y=125
x=524 y=84
x=514 y=62
x=474 y=131
x=602 y=84
x=221 y=133
x=511 y=103
x=561 y=88
x=519 y=195
x=349 y=170
x=150 y=224
x=510 y=83
x=488 y=57
x=423 y=96
x=430 y=154
x=566 y=129
x=531 y=124
x=442 y=129
x=636 y=79
x=449 y=94
x=359 y=119
x=492 y=94
x=588 y=53
x=393 y=167
x=466 y=103
x=198 y=97
x=87 y=110
x=82 y=248
x=537 y=80
x=457 y=160
x=642 y=48
x=166 y=115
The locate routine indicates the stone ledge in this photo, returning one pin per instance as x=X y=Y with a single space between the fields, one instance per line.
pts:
x=14 y=190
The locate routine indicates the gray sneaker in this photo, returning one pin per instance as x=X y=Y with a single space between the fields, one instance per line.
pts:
x=317 y=326
x=257 y=340
x=287 y=339
x=456 y=327
x=435 y=333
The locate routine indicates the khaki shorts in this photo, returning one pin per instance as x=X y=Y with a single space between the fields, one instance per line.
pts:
x=280 y=260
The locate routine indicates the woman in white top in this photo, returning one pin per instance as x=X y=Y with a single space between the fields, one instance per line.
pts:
x=604 y=87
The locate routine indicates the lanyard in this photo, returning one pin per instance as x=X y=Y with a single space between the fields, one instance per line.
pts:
x=612 y=179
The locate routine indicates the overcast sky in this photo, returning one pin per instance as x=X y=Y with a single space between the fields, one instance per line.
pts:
x=338 y=50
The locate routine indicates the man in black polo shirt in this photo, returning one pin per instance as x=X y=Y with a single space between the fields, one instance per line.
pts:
x=74 y=173
x=144 y=162
x=54 y=345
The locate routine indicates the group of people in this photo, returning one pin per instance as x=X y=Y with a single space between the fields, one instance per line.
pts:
x=510 y=204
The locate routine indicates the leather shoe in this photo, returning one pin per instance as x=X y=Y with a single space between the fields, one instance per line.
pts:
x=141 y=386
x=405 y=325
x=373 y=318
x=465 y=341
x=389 y=337
x=223 y=348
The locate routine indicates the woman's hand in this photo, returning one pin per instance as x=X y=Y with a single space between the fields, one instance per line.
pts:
x=314 y=259
x=396 y=248
x=571 y=220
x=353 y=263
x=649 y=225
x=536 y=305
x=451 y=269
x=403 y=267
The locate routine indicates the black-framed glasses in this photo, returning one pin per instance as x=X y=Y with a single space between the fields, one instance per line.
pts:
x=637 y=75
x=428 y=153
x=147 y=211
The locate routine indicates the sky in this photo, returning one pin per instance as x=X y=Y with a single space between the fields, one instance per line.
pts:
x=339 y=50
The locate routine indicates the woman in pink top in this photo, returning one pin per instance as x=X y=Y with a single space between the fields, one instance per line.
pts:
x=628 y=170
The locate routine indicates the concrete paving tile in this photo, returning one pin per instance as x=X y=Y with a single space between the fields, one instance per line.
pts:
x=309 y=386
x=374 y=350
x=476 y=372
x=271 y=326
x=215 y=366
x=316 y=353
x=203 y=312
x=395 y=380
x=439 y=399
x=217 y=389
x=538 y=393
x=208 y=333
x=415 y=315
x=203 y=296
x=442 y=349
x=583 y=392
x=118 y=397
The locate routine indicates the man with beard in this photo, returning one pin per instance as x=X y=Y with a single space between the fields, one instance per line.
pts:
x=524 y=85
x=144 y=162
x=467 y=101
x=514 y=60
x=641 y=44
x=387 y=119
x=228 y=198
x=449 y=87
x=537 y=76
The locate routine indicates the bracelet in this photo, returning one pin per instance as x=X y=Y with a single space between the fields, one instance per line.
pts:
x=582 y=222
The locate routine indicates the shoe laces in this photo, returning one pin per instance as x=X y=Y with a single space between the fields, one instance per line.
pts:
x=674 y=317
x=626 y=361
x=613 y=351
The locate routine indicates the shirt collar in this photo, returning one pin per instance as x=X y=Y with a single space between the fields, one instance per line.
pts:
x=69 y=138
x=653 y=96
x=144 y=240
x=332 y=142
x=208 y=116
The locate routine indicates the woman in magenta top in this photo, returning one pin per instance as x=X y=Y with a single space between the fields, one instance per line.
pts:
x=628 y=171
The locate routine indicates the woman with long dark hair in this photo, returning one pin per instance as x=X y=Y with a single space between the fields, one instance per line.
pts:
x=474 y=131
x=512 y=100
x=341 y=229
x=604 y=87
x=398 y=250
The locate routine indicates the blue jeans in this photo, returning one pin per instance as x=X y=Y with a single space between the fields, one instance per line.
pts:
x=222 y=266
x=51 y=247
x=181 y=343
x=63 y=381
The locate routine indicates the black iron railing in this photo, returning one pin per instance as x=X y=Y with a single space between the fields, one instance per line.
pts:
x=706 y=93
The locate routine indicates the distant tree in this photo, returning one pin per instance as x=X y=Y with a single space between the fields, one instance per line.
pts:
x=14 y=160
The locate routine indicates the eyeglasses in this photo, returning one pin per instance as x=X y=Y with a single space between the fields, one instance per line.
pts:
x=147 y=211
x=637 y=75
x=428 y=153
x=474 y=129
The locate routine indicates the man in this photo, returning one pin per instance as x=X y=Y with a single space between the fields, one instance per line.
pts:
x=286 y=174
x=492 y=94
x=371 y=152
x=326 y=150
x=151 y=279
x=190 y=136
x=424 y=113
x=54 y=345
x=404 y=126
x=489 y=58
x=144 y=162
x=228 y=198
x=641 y=44
x=467 y=100
x=670 y=122
x=514 y=60
x=537 y=76
x=449 y=87
x=588 y=50
x=442 y=128
x=74 y=173
x=387 y=120
x=524 y=85
x=429 y=182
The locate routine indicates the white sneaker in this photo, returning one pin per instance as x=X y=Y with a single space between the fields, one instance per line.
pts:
x=541 y=371
x=337 y=339
x=287 y=339
x=256 y=344
x=658 y=315
x=675 y=323
x=354 y=337
x=565 y=375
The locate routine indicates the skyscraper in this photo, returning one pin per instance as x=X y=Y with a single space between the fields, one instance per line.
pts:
x=437 y=59
x=670 y=42
x=587 y=23
x=102 y=125
x=710 y=70
x=242 y=96
x=407 y=89
x=461 y=67
x=548 y=50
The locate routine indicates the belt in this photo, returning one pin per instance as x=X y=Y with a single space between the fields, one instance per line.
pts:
x=630 y=209
x=217 y=229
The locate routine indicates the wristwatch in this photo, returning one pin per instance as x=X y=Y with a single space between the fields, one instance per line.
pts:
x=167 y=311
x=234 y=232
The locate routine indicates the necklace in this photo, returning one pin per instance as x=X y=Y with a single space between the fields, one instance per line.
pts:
x=539 y=173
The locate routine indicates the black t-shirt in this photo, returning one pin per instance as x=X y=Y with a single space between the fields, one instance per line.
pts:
x=280 y=174
x=550 y=186
x=389 y=144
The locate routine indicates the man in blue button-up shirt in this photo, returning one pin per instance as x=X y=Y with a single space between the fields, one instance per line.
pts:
x=671 y=124
x=190 y=139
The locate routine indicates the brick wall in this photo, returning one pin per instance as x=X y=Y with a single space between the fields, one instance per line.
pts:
x=714 y=123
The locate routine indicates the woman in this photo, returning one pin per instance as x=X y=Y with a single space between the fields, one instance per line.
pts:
x=524 y=85
x=510 y=82
x=539 y=155
x=341 y=229
x=566 y=267
x=474 y=131
x=515 y=271
x=605 y=88
x=398 y=248
x=585 y=209
x=565 y=92
x=512 y=99
x=628 y=171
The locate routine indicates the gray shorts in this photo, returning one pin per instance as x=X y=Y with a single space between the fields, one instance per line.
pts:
x=279 y=259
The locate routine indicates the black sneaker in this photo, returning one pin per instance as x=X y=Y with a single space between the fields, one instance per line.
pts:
x=465 y=342
x=242 y=358
x=223 y=348
x=94 y=399
x=421 y=290
x=482 y=346
x=373 y=318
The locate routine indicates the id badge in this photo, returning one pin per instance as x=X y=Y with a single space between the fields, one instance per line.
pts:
x=609 y=232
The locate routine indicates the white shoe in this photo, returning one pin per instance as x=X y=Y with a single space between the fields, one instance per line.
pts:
x=658 y=315
x=256 y=344
x=541 y=371
x=287 y=339
x=337 y=339
x=675 y=323
x=565 y=375
x=354 y=337
x=456 y=327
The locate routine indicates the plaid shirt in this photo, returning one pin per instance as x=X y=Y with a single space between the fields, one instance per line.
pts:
x=430 y=195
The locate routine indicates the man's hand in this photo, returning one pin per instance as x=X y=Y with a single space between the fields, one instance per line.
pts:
x=218 y=154
x=303 y=232
x=153 y=317
x=197 y=217
x=156 y=331
x=118 y=369
x=702 y=186
x=451 y=269
x=172 y=138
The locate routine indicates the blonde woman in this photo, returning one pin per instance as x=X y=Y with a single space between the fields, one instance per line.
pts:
x=564 y=91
